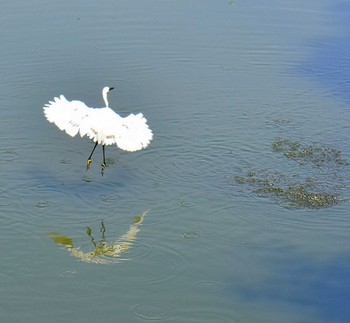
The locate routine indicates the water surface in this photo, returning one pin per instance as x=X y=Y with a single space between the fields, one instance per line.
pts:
x=218 y=83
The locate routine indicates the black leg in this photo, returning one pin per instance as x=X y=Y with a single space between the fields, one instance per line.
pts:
x=89 y=161
x=104 y=160
x=103 y=230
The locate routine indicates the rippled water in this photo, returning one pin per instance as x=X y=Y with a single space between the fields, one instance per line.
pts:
x=218 y=82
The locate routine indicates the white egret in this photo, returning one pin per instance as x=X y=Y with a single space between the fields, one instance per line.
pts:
x=102 y=125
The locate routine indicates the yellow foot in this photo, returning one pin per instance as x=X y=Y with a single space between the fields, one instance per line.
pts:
x=89 y=161
x=103 y=165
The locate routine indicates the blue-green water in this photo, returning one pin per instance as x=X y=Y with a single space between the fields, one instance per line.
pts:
x=218 y=83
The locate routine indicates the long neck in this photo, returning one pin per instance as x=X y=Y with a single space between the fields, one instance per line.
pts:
x=104 y=95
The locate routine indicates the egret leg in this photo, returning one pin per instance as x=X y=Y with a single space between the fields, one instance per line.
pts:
x=89 y=161
x=103 y=164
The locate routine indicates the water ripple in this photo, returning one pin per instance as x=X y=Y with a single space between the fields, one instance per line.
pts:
x=148 y=266
x=208 y=286
x=41 y=204
x=69 y=273
x=4 y=198
x=168 y=263
x=8 y=155
x=109 y=198
x=190 y=235
x=202 y=316
x=38 y=197
x=153 y=311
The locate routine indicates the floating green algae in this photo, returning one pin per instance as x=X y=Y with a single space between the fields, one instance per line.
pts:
x=317 y=154
x=301 y=197
x=290 y=194
x=323 y=175
x=102 y=252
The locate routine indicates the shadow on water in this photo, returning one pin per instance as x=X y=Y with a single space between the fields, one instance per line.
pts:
x=47 y=187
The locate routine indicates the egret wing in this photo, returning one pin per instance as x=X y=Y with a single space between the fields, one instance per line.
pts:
x=103 y=126
x=132 y=133
x=70 y=116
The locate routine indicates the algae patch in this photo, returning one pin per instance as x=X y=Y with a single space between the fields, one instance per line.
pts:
x=288 y=193
x=316 y=154
x=321 y=188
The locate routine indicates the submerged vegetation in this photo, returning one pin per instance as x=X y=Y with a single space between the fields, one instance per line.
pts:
x=102 y=252
x=290 y=194
x=320 y=189
x=317 y=154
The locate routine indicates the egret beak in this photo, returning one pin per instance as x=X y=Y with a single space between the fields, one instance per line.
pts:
x=111 y=88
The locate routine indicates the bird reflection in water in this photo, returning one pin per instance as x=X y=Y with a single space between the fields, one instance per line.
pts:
x=103 y=252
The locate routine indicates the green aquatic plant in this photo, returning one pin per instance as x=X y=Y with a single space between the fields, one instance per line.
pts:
x=62 y=240
x=321 y=179
x=317 y=154
x=288 y=191
x=102 y=252
x=301 y=197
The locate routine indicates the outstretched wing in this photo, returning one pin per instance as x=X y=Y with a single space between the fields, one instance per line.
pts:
x=132 y=133
x=67 y=115
x=102 y=125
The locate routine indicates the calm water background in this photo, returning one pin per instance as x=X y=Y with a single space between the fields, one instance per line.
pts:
x=218 y=82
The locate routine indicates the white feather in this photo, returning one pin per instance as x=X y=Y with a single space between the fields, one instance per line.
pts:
x=102 y=125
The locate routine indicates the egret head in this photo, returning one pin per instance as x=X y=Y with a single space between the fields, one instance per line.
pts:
x=105 y=90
